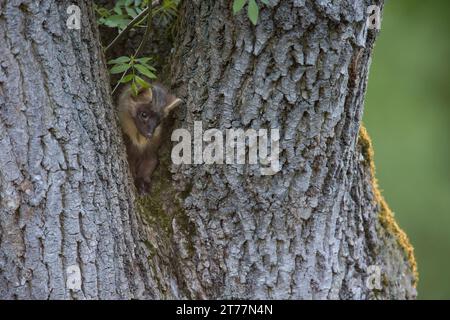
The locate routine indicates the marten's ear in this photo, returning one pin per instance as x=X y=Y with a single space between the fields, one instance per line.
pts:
x=172 y=103
x=144 y=94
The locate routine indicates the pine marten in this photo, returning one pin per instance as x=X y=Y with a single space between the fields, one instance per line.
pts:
x=142 y=120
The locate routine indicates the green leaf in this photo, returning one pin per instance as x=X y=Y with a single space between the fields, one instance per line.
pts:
x=119 y=60
x=144 y=60
x=103 y=12
x=134 y=88
x=253 y=11
x=144 y=84
x=127 y=78
x=238 y=5
x=149 y=67
x=119 y=68
x=145 y=71
x=131 y=12
x=117 y=21
x=117 y=10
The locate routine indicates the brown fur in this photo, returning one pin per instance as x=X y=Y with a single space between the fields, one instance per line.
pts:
x=143 y=135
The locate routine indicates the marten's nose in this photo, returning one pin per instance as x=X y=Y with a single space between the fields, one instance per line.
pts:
x=149 y=135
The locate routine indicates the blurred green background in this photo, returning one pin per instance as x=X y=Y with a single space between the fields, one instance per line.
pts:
x=407 y=114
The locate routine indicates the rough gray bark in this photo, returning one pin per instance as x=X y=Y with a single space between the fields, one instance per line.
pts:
x=310 y=231
x=313 y=230
x=65 y=199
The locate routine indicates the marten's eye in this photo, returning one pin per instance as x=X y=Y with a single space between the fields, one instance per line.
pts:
x=144 y=115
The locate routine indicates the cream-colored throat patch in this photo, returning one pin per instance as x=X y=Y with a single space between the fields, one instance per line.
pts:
x=129 y=128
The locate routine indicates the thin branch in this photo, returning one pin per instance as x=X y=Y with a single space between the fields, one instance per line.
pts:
x=132 y=23
x=148 y=30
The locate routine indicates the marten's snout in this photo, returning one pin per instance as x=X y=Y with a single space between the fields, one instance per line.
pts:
x=150 y=128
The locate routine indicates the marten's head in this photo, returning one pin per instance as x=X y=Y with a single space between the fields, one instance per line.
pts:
x=141 y=115
x=144 y=114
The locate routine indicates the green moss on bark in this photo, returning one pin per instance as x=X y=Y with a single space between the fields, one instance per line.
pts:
x=386 y=216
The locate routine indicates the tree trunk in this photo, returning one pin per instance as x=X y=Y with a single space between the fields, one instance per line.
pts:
x=319 y=228
x=67 y=207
